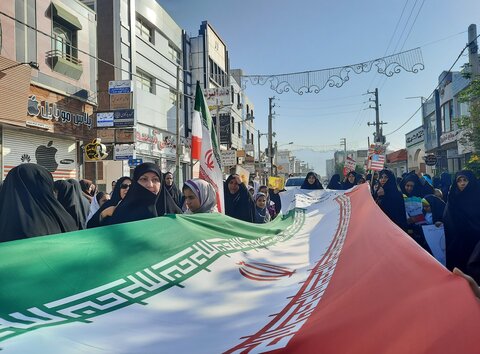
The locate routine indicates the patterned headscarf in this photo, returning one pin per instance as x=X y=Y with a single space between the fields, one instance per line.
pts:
x=205 y=194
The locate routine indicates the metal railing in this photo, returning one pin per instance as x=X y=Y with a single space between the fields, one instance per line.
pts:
x=58 y=53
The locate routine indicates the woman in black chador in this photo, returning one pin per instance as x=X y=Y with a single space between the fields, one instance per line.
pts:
x=141 y=199
x=29 y=207
x=311 y=182
x=119 y=192
x=69 y=194
x=350 y=180
x=445 y=183
x=390 y=199
x=238 y=202
x=335 y=182
x=170 y=200
x=462 y=220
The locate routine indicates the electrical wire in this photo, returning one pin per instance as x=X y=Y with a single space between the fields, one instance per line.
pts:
x=93 y=56
x=439 y=84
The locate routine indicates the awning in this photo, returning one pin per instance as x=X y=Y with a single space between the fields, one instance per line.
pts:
x=65 y=15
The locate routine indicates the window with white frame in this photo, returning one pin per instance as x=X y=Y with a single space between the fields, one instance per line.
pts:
x=173 y=98
x=173 y=53
x=145 y=82
x=63 y=38
x=144 y=29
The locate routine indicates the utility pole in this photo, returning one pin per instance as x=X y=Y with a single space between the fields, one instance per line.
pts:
x=379 y=138
x=473 y=50
x=270 y=132
x=218 y=123
x=259 y=162
x=343 y=142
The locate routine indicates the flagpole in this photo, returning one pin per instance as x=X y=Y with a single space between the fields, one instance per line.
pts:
x=177 y=152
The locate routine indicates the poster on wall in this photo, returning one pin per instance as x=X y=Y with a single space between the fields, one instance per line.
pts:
x=58 y=156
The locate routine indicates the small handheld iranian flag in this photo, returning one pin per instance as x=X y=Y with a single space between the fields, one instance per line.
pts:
x=210 y=163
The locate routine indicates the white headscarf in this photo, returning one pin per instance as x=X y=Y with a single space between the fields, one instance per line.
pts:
x=205 y=194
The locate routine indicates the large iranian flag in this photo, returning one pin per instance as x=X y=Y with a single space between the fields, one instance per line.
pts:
x=210 y=160
x=332 y=276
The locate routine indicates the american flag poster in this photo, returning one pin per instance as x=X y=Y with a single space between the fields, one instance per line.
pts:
x=376 y=162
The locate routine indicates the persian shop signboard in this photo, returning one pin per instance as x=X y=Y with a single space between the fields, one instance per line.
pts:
x=414 y=137
x=51 y=112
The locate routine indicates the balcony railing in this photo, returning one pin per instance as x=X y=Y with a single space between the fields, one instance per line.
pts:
x=60 y=54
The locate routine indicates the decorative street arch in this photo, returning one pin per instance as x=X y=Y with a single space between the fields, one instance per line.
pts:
x=316 y=80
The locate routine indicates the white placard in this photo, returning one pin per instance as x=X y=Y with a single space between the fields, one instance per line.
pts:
x=105 y=119
x=435 y=237
x=229 y=157
x=124 y=151
x=119 y=87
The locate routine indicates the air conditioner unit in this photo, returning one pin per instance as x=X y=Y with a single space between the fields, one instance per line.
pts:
x=239 y=106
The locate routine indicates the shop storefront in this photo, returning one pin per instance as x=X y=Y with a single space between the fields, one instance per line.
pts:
x=159 y=146
x=53 y=132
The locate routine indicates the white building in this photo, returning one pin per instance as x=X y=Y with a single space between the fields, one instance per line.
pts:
x=210 y=65
x=414 y=142
x=146 y=46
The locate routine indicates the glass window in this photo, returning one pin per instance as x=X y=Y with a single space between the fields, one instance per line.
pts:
x=239 y=126
x=63 y=41
x=233 y=126
x=173 y=98
x=174 y=54
x=145 y=82
x=233 y=94
x=447 y=112
x=144 y=30
x=210 y=61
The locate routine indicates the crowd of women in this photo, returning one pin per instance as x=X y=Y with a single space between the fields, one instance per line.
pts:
x=32 y=204
x=415 y=200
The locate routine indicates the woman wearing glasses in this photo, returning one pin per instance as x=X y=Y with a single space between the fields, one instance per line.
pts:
x=106 y=210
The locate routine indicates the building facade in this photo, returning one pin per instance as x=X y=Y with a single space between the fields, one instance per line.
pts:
x=414 y=142
x=228 y=103
x=48 y=74
x=144 y=47
x=442 y=135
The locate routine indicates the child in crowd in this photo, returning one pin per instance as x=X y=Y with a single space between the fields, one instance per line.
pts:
x=261 y=211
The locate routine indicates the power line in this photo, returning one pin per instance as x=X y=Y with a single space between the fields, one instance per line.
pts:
x=431 y=94
x=396 y=27
x=320 y=107
x=93 y=56
x=406 y=24
x=413 y=24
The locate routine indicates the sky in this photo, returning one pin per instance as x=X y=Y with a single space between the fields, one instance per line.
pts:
x=282 y=36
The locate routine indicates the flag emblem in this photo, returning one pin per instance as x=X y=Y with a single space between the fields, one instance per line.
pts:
x=263 y=271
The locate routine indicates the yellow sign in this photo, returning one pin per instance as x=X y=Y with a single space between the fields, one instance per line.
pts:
x=243 y=173
x=95 y=150
x=276 y=183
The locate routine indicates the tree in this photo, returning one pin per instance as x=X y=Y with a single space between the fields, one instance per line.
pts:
x=471 y=124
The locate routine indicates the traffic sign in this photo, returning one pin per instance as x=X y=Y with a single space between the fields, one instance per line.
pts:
x=105 y=119
x=430 y=160
x=134 y=162
x=119 y=86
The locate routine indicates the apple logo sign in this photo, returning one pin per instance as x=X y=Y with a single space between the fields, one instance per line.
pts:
x=33 y=109
x=45 y=156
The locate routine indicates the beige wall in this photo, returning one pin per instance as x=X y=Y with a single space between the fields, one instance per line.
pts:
x=216 y=48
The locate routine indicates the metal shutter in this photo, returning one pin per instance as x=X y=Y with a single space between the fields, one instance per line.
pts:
x=57 y=155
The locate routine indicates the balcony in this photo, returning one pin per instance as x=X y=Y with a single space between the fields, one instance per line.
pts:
x=65 y=64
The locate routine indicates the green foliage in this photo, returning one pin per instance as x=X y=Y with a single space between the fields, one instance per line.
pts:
x=473 y=165
x=471 y=124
